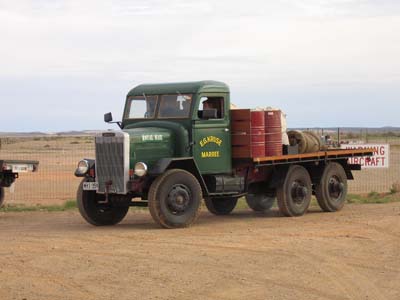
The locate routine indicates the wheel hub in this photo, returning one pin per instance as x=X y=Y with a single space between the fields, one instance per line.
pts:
x=335 y=187
x=178 y=199
x=299 y=192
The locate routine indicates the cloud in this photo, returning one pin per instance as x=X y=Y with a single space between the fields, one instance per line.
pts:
x=95 y=51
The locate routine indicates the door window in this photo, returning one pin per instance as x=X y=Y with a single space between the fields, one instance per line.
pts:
x=211 y=108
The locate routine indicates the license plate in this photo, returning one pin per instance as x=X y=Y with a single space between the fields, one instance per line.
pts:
x=90 y=186
x=22 y=168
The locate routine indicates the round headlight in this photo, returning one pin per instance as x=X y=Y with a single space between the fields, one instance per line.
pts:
x=83 y=167
x=140 y=169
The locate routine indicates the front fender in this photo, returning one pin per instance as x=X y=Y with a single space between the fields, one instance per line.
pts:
x=183 y=163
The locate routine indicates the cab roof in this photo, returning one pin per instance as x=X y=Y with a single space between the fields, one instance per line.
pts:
x=180 y=88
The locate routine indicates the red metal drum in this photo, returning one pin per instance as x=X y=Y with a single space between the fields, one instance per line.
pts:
x=273 y=133
x=257 y=133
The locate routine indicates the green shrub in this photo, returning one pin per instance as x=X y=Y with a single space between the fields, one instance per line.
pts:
x=373 y=195
x=395 y=188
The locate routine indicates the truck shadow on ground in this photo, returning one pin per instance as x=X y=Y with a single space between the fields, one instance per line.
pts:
x=136 y=221
x=146 y=222
x=206 y=217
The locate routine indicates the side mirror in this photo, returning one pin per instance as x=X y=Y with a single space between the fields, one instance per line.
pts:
x=210 y=113
x=108 y=117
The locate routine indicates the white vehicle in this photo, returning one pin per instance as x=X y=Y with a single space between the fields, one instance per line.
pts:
x=9 y=170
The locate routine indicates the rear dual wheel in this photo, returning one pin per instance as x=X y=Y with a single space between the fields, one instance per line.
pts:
x=221 y=206
x=260 y=202
x=331 y=191
x=294 y=196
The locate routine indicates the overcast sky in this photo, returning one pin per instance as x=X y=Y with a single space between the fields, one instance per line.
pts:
x=63 y=64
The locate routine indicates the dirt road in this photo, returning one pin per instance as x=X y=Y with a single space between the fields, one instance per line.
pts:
x=353 y=254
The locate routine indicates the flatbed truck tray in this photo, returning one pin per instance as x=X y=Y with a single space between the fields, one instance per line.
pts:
x=311 y=157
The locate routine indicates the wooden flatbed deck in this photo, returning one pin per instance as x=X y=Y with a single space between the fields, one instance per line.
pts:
x=310 y=157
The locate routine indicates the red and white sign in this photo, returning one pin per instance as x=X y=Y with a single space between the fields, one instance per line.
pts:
x=380 y=159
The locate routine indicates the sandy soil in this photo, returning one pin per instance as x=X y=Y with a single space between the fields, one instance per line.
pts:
x=353 y=254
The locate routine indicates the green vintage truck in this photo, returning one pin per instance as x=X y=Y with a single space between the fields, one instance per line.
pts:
x=181 y=143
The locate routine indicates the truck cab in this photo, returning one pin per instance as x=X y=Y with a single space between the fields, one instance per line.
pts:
x=176 y=126
x=180 y=120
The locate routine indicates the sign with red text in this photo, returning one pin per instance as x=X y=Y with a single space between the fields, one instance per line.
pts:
x=380 y=159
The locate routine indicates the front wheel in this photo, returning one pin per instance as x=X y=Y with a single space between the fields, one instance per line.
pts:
x=294 y=196
x=174 y=199
x=221 y=206
x=1 y=196
x=331 y=191
x=97 y=213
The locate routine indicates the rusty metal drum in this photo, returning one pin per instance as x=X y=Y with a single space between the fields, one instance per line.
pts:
x=273 y=133
x=258 y=134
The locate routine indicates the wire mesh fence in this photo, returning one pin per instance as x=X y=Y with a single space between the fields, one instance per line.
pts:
x=368 y=180
x=55 y=182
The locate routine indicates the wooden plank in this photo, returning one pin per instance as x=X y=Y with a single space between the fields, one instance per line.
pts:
x=240 y=115
x=241 y=127
x=241 y=151
x=241 y=133
x=317 y=155
x=240 y=139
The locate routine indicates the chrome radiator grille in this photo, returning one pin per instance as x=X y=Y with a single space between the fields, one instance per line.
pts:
x=112 y=162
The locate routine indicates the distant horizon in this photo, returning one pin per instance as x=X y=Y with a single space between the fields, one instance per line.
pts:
x=66 y=132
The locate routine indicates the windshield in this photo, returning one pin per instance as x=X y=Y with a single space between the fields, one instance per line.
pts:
x=171 y=106
x=142 y=107
x=175 y=106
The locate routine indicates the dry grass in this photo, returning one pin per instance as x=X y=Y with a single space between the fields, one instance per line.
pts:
x=68 y=205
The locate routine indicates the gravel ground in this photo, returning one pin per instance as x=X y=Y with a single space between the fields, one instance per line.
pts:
x=352 y=254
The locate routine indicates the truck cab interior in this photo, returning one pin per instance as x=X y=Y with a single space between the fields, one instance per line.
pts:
x=211 y=108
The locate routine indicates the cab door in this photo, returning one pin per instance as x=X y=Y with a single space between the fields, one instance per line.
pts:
x=211 y=134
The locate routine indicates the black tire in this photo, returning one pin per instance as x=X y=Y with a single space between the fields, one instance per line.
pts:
x=331 y=191
x=98 y=214
x=221 y=206
x=174 y=199
x=1 y=196
x=294 y=196
x=260 y=202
